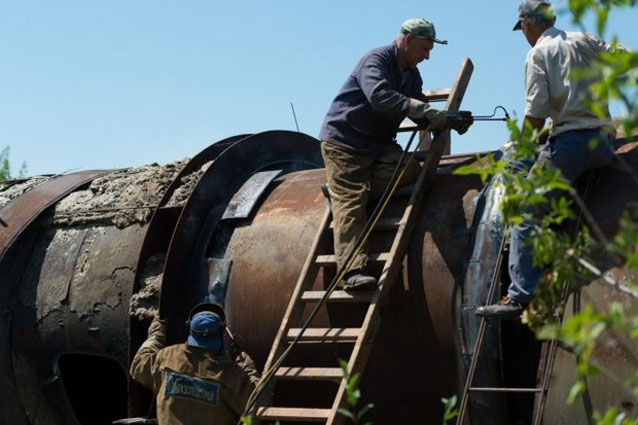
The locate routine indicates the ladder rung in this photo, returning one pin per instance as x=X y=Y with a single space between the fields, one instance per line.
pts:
x=310 y=373
x=325 y=334
x=330 y=259
x=292 y=414
x=437 y=95
x=339 y=296
x=506 y=390
x=385 y=223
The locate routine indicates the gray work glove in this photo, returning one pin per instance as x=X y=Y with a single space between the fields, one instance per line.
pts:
x=418 y=110
x=156 y=339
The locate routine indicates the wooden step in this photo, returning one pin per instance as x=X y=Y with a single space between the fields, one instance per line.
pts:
x=310 y=373
x=339 y=296
x=385 y=223
x=325 y=334
x=292 y=414
x=325 y=260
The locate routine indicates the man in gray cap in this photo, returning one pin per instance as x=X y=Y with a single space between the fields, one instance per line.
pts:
x=358 y=135
x=197 y=382
x=579 y=139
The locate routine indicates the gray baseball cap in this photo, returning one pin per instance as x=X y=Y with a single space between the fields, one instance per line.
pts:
x=419 y=27
x=528 y=7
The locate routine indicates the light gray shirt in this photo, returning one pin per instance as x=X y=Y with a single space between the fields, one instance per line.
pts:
x=550 y=89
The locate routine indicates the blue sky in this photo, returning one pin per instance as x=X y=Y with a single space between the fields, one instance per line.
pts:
x=109 y=84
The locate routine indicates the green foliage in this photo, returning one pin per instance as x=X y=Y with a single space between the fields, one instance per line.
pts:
x=613 y=417
x=625 y=243
x=5 y=166
x=5 y=170
x=353 y=396
x=600 y=8
x=451 y=411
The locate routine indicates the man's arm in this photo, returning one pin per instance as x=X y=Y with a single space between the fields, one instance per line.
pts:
x=536 y=92
x=373 y=80
x=248 y=365
x=142 y=364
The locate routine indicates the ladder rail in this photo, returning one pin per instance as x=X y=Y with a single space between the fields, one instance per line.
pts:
x=552 y=346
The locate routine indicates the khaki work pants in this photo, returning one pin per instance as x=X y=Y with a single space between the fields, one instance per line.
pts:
x=354 y=179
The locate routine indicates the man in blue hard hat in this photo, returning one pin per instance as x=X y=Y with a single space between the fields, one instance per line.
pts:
x=358 y=134
x=579 y=140
x=195 y=382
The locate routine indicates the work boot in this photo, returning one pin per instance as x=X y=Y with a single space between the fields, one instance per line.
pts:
x=357 y=281
x=505 y=309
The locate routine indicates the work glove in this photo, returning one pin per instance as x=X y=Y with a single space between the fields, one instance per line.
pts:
x=460 y=121
x=418 y=111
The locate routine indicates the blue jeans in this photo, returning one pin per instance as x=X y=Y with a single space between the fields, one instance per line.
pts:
x=573 y=153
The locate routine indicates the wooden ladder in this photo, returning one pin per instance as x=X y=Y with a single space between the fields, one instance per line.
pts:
x=397 y=229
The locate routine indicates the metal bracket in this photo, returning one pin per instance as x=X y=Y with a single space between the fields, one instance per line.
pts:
x=219 y=270
x=244 y=200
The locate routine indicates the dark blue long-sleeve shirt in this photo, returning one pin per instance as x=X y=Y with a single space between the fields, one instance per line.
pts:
x=373 y=101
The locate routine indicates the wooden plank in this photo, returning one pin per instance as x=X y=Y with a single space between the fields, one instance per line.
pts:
x=310 y=373
x=325 y=260
x=456 y=96
x=292 y=414
x=437 y=95
x=338 y=296
x=325 y=334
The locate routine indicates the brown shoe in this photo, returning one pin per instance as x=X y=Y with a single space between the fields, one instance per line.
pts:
x=357 y=281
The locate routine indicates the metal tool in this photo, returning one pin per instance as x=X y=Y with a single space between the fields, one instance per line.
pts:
x=458 y=116
x=467 y=115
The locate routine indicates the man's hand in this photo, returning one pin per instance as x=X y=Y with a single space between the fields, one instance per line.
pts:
x=418 y=111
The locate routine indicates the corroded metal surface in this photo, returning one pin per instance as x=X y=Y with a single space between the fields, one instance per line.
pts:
x=152 y=255
x=64 y=302
x=19 y=213
x=416 y=342
x=200 y=233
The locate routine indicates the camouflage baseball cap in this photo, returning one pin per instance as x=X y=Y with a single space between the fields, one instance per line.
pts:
x=421 y=28
x=529 y=7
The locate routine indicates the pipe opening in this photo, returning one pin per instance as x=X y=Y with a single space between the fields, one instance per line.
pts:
x=95 y=387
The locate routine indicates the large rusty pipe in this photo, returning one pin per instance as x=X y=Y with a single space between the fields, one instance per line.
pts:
x=69 y=277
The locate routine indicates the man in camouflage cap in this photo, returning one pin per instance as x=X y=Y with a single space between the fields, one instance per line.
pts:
x=358 y=135
x=579 y=139
x=197 y=382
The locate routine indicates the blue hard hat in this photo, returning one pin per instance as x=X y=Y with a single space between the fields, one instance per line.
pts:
x=206 y=329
